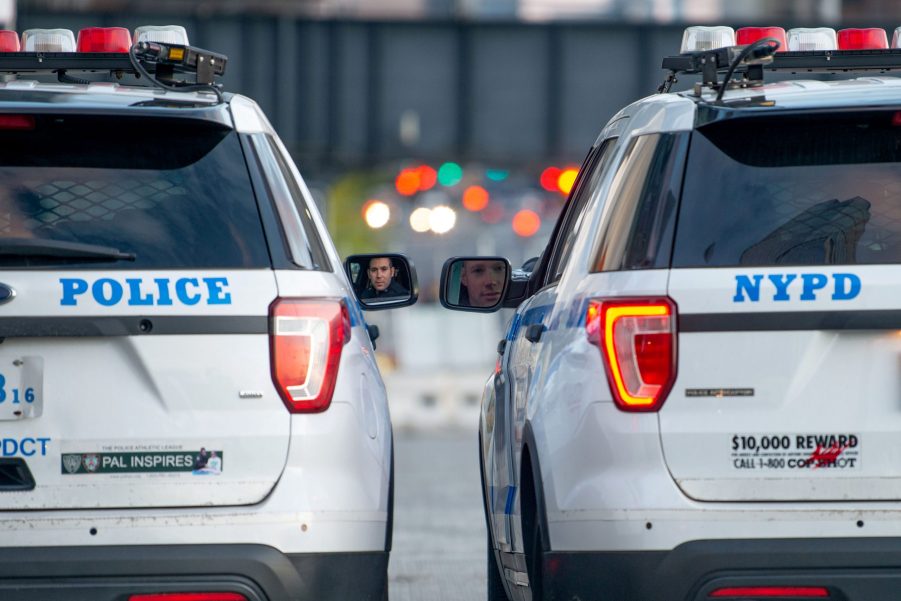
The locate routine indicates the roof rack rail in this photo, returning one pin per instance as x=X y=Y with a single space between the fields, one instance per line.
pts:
x=159 y=63
x=710 y=63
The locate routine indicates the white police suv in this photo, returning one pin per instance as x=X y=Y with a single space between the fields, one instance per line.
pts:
x=699 y=395
x=190 y=409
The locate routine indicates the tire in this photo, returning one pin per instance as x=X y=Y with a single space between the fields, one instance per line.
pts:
x=496 y=590
x=535 y=563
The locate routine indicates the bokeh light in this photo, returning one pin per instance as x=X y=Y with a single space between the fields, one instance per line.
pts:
x=408 y=182
x=450 y=174
x=526 y=223
x=428 y=177
x=376 y=214
x=549 y=178
x=421 y=220
x=567 y=179
x=442 y=219
x=475 y=198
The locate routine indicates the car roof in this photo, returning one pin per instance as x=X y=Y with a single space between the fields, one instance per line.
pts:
x=810 y=93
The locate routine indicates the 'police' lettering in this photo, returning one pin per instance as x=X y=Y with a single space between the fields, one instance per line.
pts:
x=108 y=292
x=788 y=286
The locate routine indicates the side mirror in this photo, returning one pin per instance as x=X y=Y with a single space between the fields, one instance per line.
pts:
x=474 y=283
x=382 y=281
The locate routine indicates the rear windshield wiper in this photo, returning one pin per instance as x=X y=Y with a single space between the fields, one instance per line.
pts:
x=59 y=249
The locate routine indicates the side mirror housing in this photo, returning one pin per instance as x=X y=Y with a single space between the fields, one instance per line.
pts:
x=382 y=281
x=476 y=284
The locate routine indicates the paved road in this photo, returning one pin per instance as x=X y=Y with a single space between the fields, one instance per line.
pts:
x=439 y=527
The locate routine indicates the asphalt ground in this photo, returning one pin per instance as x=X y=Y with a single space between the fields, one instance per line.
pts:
x=439 y=527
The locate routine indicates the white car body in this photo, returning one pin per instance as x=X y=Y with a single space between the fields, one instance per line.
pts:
x=294 y=501
x=654 y=505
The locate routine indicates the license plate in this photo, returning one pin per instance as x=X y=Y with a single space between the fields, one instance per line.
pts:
x=21 y=388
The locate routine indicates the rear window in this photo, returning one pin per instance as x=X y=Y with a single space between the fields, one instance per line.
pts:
x=794 y=190
x=173 y=192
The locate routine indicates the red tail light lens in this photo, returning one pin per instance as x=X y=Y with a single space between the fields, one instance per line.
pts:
x=772 y=592
x=9 y=41
x=873 y=38
x=103 y=39
x=637 y=338
x=749 y=35
x=306 y=342
x=17 y=122
x=188 y=597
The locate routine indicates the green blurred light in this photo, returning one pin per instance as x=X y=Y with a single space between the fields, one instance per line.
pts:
x=497 y=175
x=450 y=174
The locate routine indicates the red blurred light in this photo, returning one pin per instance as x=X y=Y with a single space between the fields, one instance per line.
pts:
x=526 y=223
x=188 y=597
x=9 y=41
x=103 y=39
x=17 y=122
x=749 y=35
x=493 y=213
x=428 y=177
x=772 y=592
x=475 y=198
x=872 y=38
x=408 y=182
x=549 y=178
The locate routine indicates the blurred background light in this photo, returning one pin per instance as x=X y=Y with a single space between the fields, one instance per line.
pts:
x=442 y=219
x=475 y=198
x=421 y=219
x=450 y=174
x=408 y=182
x=526 y=223
x=567 y=179
x=376 y=214
x=549 y=178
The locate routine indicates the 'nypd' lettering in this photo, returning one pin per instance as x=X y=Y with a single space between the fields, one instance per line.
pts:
x=793 y=286
x=109 y=292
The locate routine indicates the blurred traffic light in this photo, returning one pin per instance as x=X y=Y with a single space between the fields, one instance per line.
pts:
x=475 y=198
x=526 y=223
x=549 y=178
x=554 y=179
x=566 y=180
x=497 y=175
x=450 y=174
x=407 y=182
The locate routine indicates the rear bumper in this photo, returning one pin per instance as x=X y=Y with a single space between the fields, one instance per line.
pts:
x=860 y=569
x=258 y=572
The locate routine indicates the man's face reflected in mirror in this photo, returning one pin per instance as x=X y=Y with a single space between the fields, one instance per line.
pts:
x=482 y=283
x=381 y=272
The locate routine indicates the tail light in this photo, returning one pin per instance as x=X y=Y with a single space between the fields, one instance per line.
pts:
x=637 y=338
x=306 y=338
x=104 y=39
x=749 y=35
x=771 y=592
x=872 y=38
x=17 y=122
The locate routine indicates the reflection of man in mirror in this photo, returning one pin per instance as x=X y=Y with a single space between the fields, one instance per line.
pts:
x=482 y=282
x=381 y=273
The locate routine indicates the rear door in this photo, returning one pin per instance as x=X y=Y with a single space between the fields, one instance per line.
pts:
x=787 y=277
x=134 y=362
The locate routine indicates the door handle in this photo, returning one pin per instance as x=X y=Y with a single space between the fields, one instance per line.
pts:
x=534 y=332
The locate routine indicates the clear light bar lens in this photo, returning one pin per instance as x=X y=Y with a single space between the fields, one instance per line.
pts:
x=48 y=40
x=164 y=34
x=896 y=38
x=696 y=39
x=811 y=38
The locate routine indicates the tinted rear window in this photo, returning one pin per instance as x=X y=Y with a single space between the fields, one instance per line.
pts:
x=811 y=190
x=174 y=192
